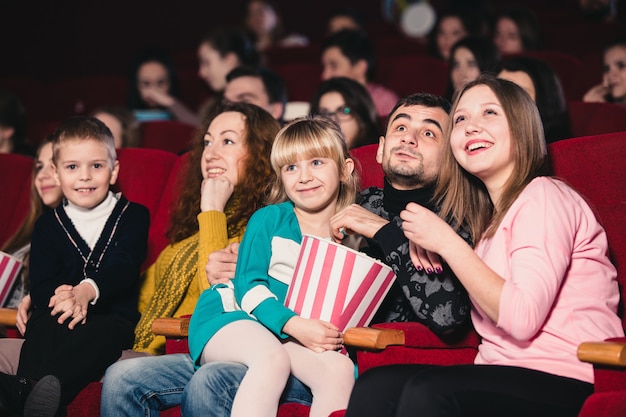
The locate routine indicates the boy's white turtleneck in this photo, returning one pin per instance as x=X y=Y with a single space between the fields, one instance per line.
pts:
x=90 y=222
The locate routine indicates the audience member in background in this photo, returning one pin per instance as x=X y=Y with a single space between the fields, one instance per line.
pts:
x=539 y=277
x=154 y=89
x=453 y=25
x=470 y=57
x=45 y=193
x=517 y=30
x=343 y=18
x=219 y=52
x=542 y=83
x=350 y=53
x=13 y=125
x=265 y=26
x=222 y=50
x=613 y=87
x=259 y=86
x=349 y=104
x=122 y=124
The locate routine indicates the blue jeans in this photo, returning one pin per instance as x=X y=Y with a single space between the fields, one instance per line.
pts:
x=144 y=386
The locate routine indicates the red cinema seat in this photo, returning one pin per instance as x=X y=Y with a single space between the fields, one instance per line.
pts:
x=167 y=135
x=596 y=118
x=15 y=176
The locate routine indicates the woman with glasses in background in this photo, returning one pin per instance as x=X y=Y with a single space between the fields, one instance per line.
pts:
x=349 y=104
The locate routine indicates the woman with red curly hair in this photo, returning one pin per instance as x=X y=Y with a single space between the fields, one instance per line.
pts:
x=224 y=183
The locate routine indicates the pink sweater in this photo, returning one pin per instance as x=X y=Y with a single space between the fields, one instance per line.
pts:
x=560 y=290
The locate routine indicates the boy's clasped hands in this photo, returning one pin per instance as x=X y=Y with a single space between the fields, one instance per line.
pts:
x=72 y=302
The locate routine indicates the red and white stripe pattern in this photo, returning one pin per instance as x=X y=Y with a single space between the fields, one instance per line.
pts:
x=337 y=284
x=9 y=270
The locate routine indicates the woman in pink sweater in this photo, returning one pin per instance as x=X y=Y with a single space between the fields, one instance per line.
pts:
x=539 y=278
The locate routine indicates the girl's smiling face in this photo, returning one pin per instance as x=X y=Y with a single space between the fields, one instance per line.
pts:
x=311 y=184
x=480 y=139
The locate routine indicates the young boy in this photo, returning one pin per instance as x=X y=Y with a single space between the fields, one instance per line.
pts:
x=84 y=272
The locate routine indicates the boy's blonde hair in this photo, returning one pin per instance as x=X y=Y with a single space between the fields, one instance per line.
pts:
x=312 y=137
x=83 y=128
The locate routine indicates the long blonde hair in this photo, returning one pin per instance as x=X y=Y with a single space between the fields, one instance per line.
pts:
x=463 y=198
x=312 y=137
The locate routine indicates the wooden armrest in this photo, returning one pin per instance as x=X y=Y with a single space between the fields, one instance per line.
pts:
x=374 y=339
x=603 y=353
x=8 y=316
x=171 y=327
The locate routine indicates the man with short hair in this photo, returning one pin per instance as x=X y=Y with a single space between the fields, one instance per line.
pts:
x=259 y=86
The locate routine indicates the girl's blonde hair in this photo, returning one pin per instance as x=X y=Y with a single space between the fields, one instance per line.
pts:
x=307 y=138
x=462 y=197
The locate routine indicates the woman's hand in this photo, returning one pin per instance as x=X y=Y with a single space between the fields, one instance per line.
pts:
x=597 y=94
x=317 y=335
x=155 y=97
x=215 y=193
x=220 y=268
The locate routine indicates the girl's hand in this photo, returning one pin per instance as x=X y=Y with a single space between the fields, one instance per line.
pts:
x=215 y=193
x=425 y=229
x=597 y=94
x=425 y=260
x=317 y=335
x=23 y=313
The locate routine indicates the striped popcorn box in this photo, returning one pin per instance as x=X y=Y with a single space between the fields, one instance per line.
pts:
x=9 y=270
x=337 y=284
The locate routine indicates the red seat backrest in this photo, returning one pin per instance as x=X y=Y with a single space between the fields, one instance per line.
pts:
x=143 y=178
x=161 y=221
x=370 y=171
x=594 y=165
x=408 y=74
x=15 y=178
x=167 y=135
x=596 y=118
x=301 y=78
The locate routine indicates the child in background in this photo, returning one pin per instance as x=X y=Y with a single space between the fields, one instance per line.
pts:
x=85 y=260
x=315 y=179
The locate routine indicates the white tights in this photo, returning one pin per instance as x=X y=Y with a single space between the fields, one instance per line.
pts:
x=329 y=375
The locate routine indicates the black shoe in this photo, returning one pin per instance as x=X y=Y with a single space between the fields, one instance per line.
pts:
x=13 y=393
x=44 y=398
x=25 y=397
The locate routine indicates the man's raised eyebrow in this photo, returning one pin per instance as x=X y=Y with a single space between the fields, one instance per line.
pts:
x=401 y=116
x=435 y=122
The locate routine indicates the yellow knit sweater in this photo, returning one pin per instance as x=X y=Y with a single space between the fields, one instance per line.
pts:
x=173 y=284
